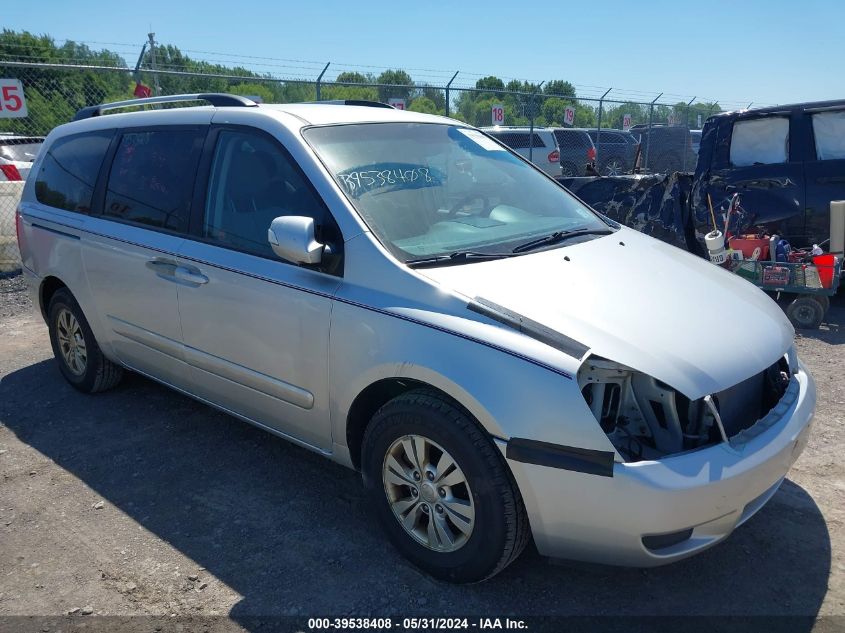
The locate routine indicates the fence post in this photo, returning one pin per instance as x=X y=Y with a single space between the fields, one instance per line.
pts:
x=531 y=114
x=598 y=134
x=650 y=119
x=447 y=90
x=686 y=118
x=320 y=78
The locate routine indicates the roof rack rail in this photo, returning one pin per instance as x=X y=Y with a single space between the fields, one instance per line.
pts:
x=217 y=99
x=353 y=102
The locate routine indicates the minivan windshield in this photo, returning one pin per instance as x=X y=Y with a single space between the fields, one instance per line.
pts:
x=428 y=190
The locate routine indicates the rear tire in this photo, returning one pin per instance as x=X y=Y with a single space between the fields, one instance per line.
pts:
x=80 y=359
x=805 y=313
x=474 y=479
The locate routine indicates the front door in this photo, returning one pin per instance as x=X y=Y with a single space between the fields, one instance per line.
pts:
x=255 y=328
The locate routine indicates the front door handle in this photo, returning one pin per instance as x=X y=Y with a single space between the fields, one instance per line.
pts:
x=183 y=273
x=162 y=266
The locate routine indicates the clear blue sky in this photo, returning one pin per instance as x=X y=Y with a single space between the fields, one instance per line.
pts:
x=733 y=51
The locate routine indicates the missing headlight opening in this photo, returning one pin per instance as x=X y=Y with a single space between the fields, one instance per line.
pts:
x=647 y=419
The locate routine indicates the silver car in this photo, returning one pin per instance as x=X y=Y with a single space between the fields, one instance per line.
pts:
x=406 y=296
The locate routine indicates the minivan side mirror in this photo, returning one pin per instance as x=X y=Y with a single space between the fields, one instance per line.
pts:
x=292 y=238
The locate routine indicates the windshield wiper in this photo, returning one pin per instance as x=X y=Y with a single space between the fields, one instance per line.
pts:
x=557 y=237
x=458 y=257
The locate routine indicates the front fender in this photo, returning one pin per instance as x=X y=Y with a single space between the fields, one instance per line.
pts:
x=510 y=396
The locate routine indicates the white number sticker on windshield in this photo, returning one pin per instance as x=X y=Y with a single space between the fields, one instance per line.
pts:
x=357 y=182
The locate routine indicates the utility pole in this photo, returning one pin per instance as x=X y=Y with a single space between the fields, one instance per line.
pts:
x=156 y=86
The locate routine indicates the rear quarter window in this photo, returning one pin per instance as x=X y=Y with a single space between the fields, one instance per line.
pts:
x=518 y=140
x=763 y=141
x=69 y=171
x=829 y=132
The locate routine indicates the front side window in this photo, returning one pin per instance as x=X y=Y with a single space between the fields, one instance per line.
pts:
x=152 y=178
x=253 y=182
x=69 y=171
x=829 y=130
x=430 y=189
x=763 y=141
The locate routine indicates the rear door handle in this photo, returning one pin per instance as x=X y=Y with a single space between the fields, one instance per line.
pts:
x=182 y=273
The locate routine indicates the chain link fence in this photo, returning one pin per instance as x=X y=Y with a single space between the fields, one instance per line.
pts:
x=574 y=135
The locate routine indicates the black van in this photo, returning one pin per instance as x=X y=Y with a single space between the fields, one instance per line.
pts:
x=787 y=162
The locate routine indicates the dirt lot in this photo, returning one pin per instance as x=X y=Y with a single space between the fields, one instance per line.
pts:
x=143 y=502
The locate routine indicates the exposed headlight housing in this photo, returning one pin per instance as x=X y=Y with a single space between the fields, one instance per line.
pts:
x=648 y=419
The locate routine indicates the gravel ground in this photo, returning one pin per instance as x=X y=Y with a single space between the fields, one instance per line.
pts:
x=142 y=502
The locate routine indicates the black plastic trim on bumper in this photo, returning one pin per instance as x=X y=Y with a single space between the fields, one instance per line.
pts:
x=582 y=460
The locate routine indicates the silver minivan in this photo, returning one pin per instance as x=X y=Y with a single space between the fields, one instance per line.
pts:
x=539 y=145
x=406 y=296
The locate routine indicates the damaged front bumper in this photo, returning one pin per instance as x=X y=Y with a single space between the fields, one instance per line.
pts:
x=651 y=513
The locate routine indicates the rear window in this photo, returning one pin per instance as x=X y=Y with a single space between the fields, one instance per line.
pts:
x=69 y=171
x=518 y=140
x=572 y=138
x=763 y=141
x=829 y=130
x=152 y=178
x=607 y=137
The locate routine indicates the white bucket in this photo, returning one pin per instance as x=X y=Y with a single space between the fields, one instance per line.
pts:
x=715 y=242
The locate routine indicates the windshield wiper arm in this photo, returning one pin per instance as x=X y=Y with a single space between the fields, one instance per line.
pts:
x=557 y=237
x=458 y=257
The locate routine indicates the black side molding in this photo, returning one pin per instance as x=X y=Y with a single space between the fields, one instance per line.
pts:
x=582 y=460
x=523 y=324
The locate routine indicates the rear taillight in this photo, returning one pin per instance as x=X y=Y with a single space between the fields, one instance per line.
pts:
x=591 y=153
x=554 y=156
x=11 y=172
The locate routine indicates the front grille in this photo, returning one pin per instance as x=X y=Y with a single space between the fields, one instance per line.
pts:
x=743 y=404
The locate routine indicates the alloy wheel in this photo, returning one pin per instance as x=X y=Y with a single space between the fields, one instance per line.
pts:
x=71 y=342
x=428 y=493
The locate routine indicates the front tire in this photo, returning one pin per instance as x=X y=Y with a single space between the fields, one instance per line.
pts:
x=441 y=489
x=80 y=359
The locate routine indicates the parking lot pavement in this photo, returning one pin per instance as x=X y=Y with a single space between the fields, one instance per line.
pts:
x=142 y=501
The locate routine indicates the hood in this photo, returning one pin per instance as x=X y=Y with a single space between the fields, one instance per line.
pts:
x=640 y=302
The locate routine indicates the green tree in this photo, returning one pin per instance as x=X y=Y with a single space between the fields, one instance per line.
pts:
x=400 y=85
x=490 y=83
x=351 y=78
x=424 y=104
x=253 y=90
x=554 y=111
x=559 y=88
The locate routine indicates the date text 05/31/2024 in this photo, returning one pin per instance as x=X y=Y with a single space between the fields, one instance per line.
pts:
x=422 y=624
